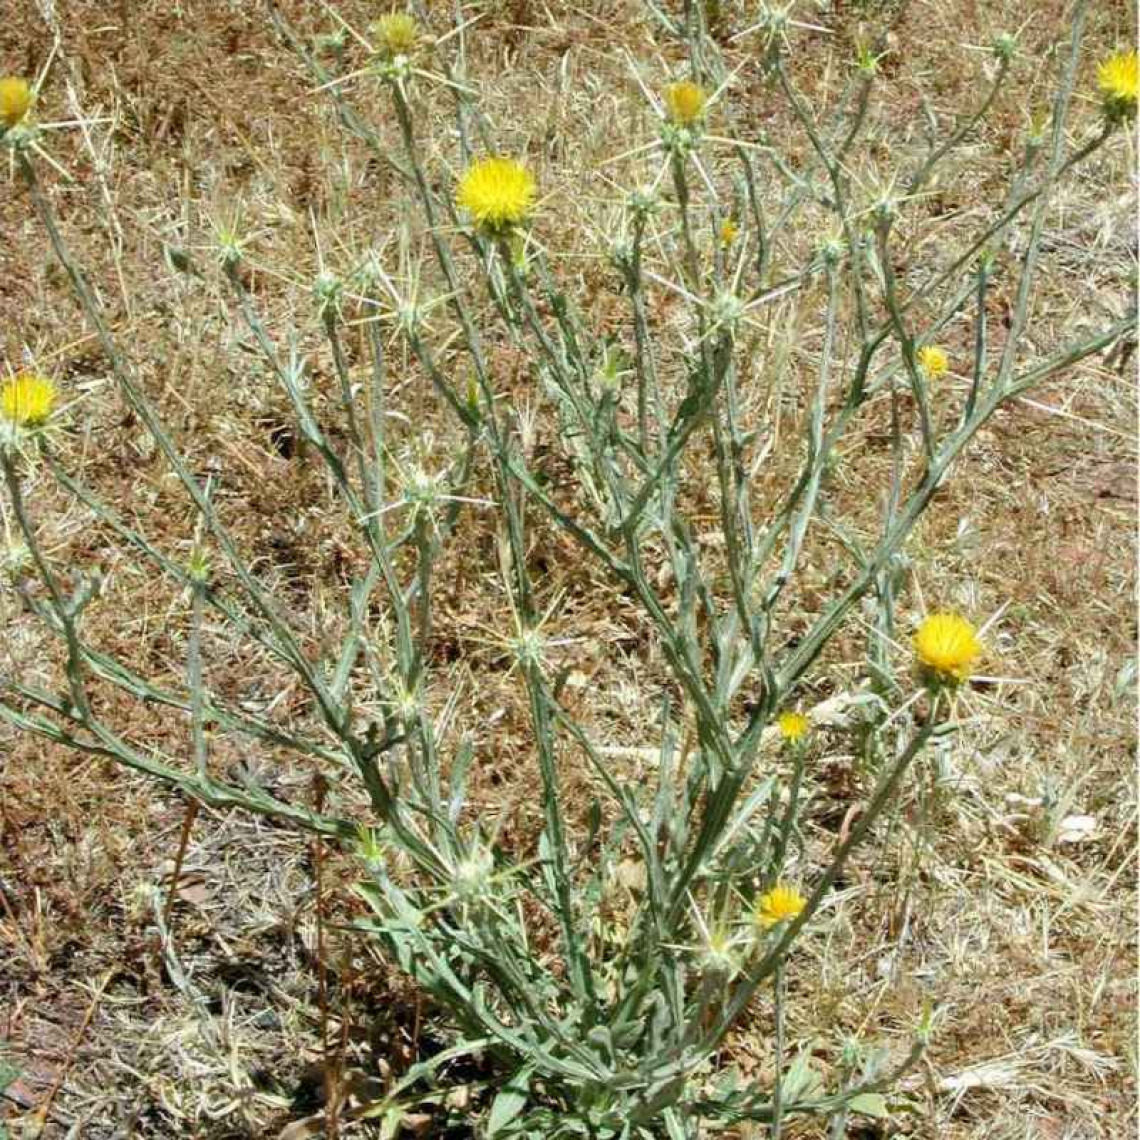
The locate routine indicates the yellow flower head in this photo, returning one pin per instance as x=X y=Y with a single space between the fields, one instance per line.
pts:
x=15 y=99
x=27 y=400
x=497 y=192
x=793 y=726
x=1118 y=78
x=781 y=904
x=395 y=34
x=933 y=361
x=685 y=103
x=728 y=232
x=947 y=645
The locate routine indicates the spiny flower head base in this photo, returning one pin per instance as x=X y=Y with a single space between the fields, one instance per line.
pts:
x=726 y=310
x=27 y=400
x=15 y=100
x=424 y=491
x=947 y=646
x=643 y=201
x=1005 y=47
x=1118 y=78
x=498 y=194
x=15 y=559
x=472 y=875
x=198 y=568
x=717 y=955
x=328 y=290
x=832 y=248
x=781 y=904
x=866 y=60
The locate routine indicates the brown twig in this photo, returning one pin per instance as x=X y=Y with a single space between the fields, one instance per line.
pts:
x=42 y=1113
x=332 y=1130
x=192 y=808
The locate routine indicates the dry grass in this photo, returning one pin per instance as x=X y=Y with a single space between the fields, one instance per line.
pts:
x=986 y=898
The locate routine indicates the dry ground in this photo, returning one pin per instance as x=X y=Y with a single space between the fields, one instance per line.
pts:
x=986 y=899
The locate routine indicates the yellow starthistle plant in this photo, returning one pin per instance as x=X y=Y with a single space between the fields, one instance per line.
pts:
x=685 y=103
x=933 y=361
x=780 y=904
x=793 y=726
x=1118 y=78
x=498 y=194
x=27 y=400
x=15 y=100
x=947 y=646
x=395 y=34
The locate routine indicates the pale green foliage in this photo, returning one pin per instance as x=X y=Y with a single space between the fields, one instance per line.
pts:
x=608 y=1032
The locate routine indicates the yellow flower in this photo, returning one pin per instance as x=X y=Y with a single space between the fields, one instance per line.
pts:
x=948 y=646
x=497 y=192
x=728 y=232
x=780 y=904
x=1118 y=78
x=685 y=103
x=793 y=726
x=395 y=34
x=27 y=400
x=15 y=99
x=933 y=361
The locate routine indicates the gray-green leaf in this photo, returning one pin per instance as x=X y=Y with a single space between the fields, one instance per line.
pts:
x=870 y=1104
x=510 y=1102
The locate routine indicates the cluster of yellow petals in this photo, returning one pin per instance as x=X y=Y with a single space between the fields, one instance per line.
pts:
x=1118 y=78
x=793 y=726
x=947 y=645
x=15 y=100
x=933 y=361
x=497 y=193
x=27 y=400
x=685 y=103
x=780 y=904
x=395 y=34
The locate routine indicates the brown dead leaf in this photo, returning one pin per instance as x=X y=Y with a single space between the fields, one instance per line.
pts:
x=300 y=1129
